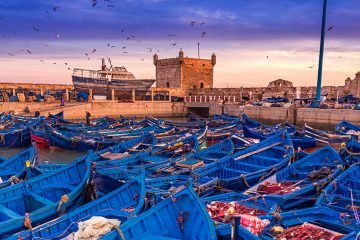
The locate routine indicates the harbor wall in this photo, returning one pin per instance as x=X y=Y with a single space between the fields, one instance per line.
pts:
x=76 y=111
x=299 y=116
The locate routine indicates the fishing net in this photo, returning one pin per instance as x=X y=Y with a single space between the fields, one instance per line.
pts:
x=279 y=188
x=308 y=231
x=94 y=228
x=225 y=212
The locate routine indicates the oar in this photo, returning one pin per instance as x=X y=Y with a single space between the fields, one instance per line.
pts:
x=257 y=151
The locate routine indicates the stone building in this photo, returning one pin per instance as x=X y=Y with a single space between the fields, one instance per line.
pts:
x=353 y=86
x=280 y=88
x=280 y=83
x=183 y=72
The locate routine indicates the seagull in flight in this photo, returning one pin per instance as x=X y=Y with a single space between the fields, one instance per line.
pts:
x=142 y=59
x=192 y=23
x=150 y=50
x=202 y=24
x=11 y=54
x=57 y=35
x=93 y=51
x=203 y=34
x=42 y=61
x=36 y=29
x=171 y=35
x=56 y=8
x=312 y=66
x=28 y=51
x=329 y=29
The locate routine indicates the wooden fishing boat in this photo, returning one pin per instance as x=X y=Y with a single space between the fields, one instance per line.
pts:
x=181 y=216
x=18 y=135
x=351 y=151
x=12 y=169
x=256 y=130
x=309 y=223
x=249 y=121
x=77 y=143
x=107 y=79
x=98 y=141
x=298 y=139
x=150 y=158
x=245 y=168
x=324 y=138
x=41 y=198
x=114 y=200
x=59 y=115
x=177 y=124
x=343 y=195
x=241 y=143
x=301 y=182
x=224 y=208
x=192 y=161
x=347 y=128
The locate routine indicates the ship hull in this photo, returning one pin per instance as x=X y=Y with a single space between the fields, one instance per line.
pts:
x=123 y=88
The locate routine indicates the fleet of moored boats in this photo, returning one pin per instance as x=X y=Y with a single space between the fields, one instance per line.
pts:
x=225 y=177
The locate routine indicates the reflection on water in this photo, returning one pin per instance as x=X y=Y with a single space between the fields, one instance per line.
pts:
x=54 y=155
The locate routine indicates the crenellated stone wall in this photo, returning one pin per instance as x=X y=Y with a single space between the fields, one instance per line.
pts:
x=183 y=72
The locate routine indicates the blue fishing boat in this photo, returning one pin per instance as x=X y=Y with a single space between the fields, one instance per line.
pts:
x=324 y=138
x=158 y=155
x=347 y=128
x=177 y=124
x=241 y=143
x=350 y=152
x=309 y=223
x=343 y=195
x=298 y=139
x=222 y=208
x=249 y=121
x=181 y=216
x=114 y=200
x=301 y=182
x=41 y=198
x=13 y=170
x=18 y=135
x=247 y=167
x=192 y=161
x=59 y=115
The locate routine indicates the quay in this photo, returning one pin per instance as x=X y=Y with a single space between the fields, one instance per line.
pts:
x=297 y=116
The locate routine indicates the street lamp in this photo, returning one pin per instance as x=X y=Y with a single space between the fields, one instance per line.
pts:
x=321 y=56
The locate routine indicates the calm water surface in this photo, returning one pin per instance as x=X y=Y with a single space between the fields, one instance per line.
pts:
x=46 y=155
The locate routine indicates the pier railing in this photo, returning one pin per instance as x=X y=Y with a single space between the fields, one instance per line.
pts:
x=213 y=99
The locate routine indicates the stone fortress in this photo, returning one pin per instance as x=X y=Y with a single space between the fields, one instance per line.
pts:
x=194 y=77
x=185 y=73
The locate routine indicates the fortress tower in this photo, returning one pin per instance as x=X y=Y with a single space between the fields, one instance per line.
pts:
x=183 y=72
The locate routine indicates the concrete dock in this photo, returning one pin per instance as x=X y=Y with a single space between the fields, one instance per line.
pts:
x=298 y=116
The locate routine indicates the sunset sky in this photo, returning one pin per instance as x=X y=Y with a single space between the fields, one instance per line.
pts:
x=242 y=33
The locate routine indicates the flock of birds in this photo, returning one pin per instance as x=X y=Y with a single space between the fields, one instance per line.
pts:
x=124 y=50
x=89 y=54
